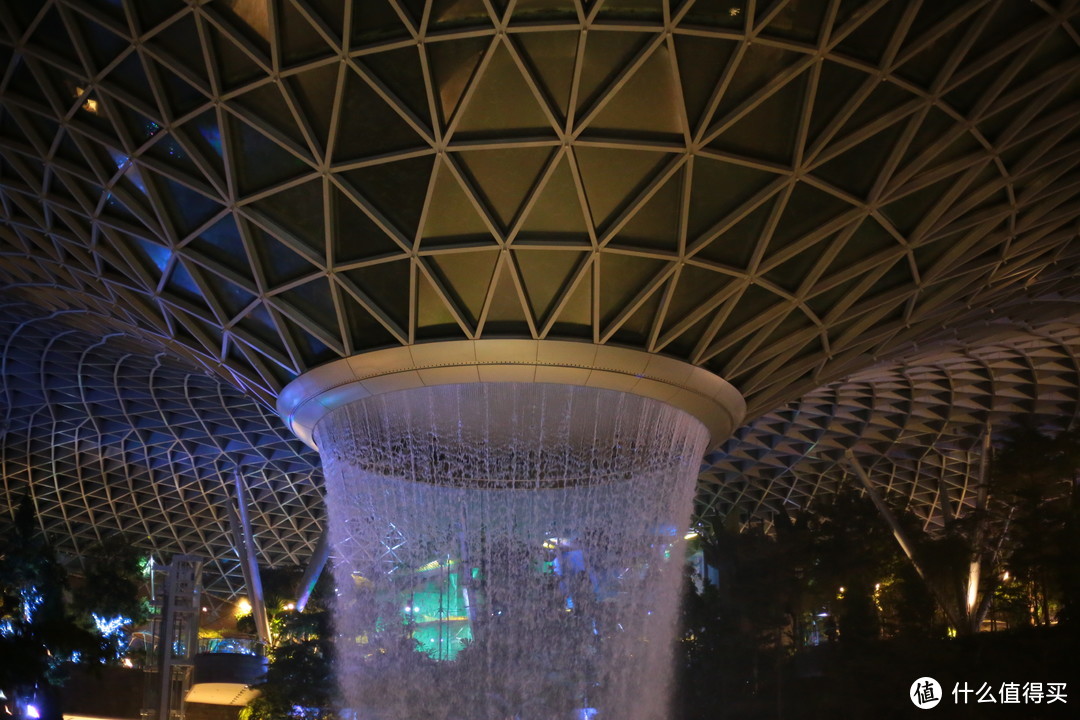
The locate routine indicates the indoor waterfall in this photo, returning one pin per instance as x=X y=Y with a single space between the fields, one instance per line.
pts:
x=508 y=550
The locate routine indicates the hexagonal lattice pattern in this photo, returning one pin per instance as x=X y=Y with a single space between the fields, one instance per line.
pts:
x=915 y=425
x=107 y=436
x=787 y=192
x=776 y=190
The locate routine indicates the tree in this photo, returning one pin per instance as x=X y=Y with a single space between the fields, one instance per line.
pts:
x=38 y=633
x=299 y=683
x=1036 y=475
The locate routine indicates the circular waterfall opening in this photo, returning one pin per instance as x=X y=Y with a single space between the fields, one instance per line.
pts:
x=508 y=550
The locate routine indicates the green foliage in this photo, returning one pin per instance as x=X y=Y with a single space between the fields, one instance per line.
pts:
x=38 y=632
x=300 y=683
x=300 y=674
x=113 y=580
x=1035 y=479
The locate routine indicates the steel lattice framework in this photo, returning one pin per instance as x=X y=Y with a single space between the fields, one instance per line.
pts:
x=787 y=193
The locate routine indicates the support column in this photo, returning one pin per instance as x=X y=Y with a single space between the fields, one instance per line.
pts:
x=245 y=549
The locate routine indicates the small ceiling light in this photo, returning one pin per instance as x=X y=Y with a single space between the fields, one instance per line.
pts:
x=90 y=105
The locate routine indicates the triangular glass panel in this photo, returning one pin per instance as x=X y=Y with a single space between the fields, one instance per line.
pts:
x=614 y=177
x=727 y=14
x=356 y=236
x=181 y=45
x=701 y=64
x=638 y=11
x=117 y=209
x=769 y=130
x=758 y=68
x=260 y=325
x=332 y=13
x=314 y=300
x=368 y=126
x=103 y=44
x=109 y=11
x=152 y=14
x=23 y=85
x=504 y=178
x=386 y=286
x=501 y=101
x=299 y=40
x=648 y=102
x=550 y=57
x=247 y=20
x=10 y=130
x=452 y=64
x=231 y=297
x=168 y=150
x=400 y=71
x=537 y=10
x=735 y=246
x=697 y=286
x=182 y=285
x=314 y=91
x=232 y=63
x=365 y=330
x=807 y=210
x=266 y=104
x=186 y=208
x=149 y=256
x=857 y=168
x=313 y=350
x=434 y=319
x=575 y=316
x=259 y=162
x=446 y=14
x=545 y=276
x=181 y=96
x=799 y=21
x=396 y=189
x=202 y=135
x=375 y=21
x=636 y=329
x=557 y=214
x=843 y=83
x=67 y=150
x=655 y=226
x=506 y=314
x=923 y=67
x=622 y=278
x=129 y=76
x=607 y=55
x=279 y=263
x=140 y=128
x=221 y=242
x=906 y=212
x=718 y=190
x=465 y=277
x=52 y=34
x=298 y=210
x=452 y=218
x=872 y=32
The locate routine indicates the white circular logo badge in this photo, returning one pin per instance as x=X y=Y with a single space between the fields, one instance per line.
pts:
x=925 y=693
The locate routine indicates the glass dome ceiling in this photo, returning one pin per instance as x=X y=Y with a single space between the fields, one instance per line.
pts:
x=787 y=193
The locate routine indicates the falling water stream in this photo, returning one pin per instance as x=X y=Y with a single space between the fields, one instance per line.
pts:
x=508 y=550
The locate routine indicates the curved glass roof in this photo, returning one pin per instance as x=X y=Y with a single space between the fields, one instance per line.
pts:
x=788 y=193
